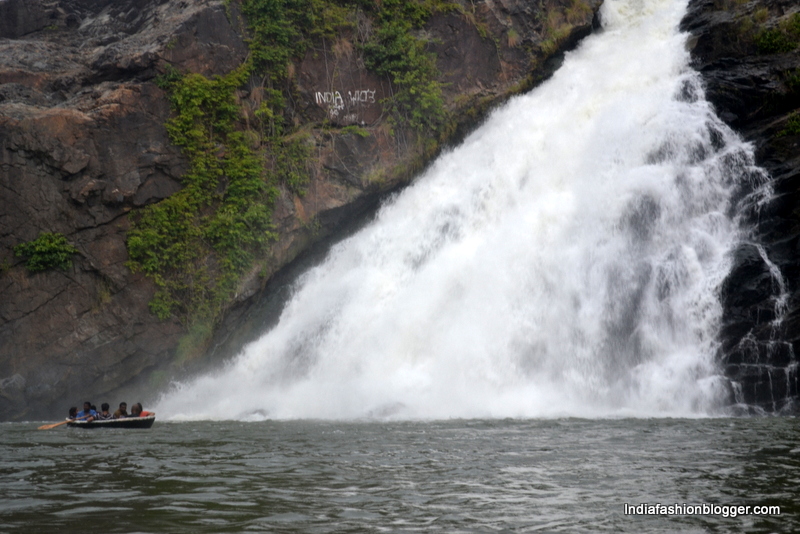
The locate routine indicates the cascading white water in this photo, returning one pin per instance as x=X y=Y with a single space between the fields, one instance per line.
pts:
x=562 y=261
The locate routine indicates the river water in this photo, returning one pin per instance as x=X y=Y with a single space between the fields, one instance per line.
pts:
x=559 y=475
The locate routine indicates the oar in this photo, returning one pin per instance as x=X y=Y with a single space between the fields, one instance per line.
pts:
x=48 y=427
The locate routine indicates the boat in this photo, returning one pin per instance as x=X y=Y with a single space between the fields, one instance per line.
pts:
x=123 y=422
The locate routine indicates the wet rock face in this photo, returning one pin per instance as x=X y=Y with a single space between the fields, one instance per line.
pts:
x=82 y=144
x=754 y=90
x=83 y=147
x=748 y=287
x=17 y=19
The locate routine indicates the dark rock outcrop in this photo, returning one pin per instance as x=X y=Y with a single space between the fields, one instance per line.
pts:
x=83 y=147
x=757 y=90
x=82 y=144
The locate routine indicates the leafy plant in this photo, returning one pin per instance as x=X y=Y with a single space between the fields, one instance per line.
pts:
x=196 y=243
x=292 y=162
x=792 y=26
x=170 y=76
x=792 y=125
x=355 y=130
x=395 y=52
x=281 y=30
x=782 y=39
x=49 y=250
x=774 y=41
x=793 y=80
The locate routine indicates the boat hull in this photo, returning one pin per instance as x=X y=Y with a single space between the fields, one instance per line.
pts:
x=126 y=422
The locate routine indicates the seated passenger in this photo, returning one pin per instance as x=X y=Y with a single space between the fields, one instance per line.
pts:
x=122 y=411
x=136 y=411
x=87 y=413
x=73 y=413
x=104 y=414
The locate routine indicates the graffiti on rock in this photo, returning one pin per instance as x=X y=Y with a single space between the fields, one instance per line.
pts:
x=336 y=104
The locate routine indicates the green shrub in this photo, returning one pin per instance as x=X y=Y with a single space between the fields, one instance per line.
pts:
x=793 y=80
x=196 y=243
x=393 y=51
x=774 y=41
x=792 y=125
x=170 y=76
x=291 y=163
x=792 y=26
x=355 y=130
x=279 y=31
x=47 y=251
x=282 y=29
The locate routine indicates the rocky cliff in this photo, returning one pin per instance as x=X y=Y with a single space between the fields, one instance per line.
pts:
x=84 y=152
x=749 y=56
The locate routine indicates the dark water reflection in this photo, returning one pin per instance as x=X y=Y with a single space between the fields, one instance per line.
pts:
x=565 y=475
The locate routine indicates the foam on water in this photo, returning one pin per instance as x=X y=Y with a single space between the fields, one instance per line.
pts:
x=562 y=261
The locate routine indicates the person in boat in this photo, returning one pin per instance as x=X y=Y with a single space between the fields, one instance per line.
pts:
x=87 y=413
x=73 y=412
x=137 y=411
x=122 y=411
x=104 y=414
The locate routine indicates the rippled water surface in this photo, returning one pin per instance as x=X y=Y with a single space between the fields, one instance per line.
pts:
x=569 y=475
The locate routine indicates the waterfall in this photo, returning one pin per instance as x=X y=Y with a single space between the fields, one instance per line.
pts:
x=563 y=260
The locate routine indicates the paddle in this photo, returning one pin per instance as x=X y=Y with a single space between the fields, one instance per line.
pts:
x=48 y=427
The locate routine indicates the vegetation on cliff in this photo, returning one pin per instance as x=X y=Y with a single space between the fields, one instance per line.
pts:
x=757 y=32
x=283 y=29
x=395 y=52
x=197 y=243
x=48 y=251
x=783 y=38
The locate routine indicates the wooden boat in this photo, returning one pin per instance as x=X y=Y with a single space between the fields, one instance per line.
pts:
x=124 y=422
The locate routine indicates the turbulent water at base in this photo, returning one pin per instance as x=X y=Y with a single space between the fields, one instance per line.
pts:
x=456 y=476
x=563 y=260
